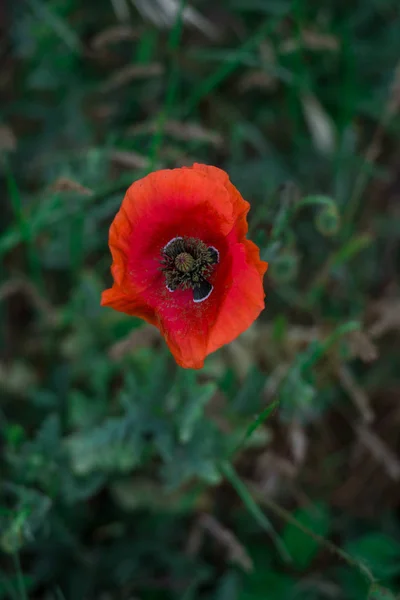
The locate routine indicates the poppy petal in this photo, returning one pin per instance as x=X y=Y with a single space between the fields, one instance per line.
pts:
x=240 y=206
x=128 y=304
x=245 y=299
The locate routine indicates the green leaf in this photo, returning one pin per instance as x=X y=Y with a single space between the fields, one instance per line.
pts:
x=301 y=546
x=192 y=407
x=377 y=592
x=17 y=527
x=268 y=584
x=297 y=396
x=354 y=585
x=379 y=552
x=197 y=458
x=229 y=587
x=113 y=446
x=247 y=398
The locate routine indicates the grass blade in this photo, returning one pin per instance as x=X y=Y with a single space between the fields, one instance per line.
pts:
x=230 y=474
x=23 y=226
x=20 y=577
x=226 y=69
x=58 y=25
x=259 y=420
x=172 y=85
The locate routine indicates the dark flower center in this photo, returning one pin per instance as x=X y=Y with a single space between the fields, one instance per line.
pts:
x=187 y=263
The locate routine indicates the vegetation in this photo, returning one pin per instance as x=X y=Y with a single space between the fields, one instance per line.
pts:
x=274 y=471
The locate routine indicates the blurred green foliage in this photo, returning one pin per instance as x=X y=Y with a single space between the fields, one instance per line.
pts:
x=274 y=472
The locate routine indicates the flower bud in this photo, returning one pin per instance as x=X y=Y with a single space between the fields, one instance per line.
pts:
x=285 y=266
x=327 y=220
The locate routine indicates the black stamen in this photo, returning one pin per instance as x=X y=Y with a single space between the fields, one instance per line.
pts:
x=214 y=255
x=202 y=291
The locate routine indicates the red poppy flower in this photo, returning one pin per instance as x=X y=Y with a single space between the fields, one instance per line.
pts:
x=181 y=260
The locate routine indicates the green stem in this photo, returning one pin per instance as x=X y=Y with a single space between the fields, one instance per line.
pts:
x=371 y=155
x=4 y=581
x=20 y=577
x=230 y=474
x=328 y=545
x=259 y=420
x=172 y=85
